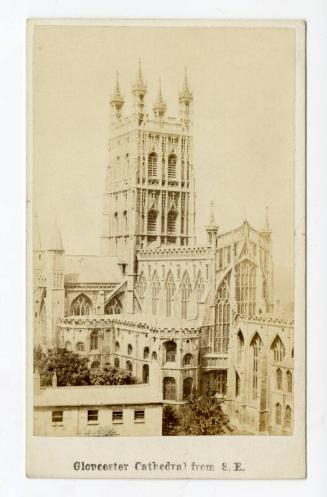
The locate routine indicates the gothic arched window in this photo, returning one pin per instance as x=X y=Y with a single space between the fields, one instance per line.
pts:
x=289 y=377
x=129 y=366
x=80 y=347
x=172 y=159
x=146 y=353
x=187 y=388
x=154 y=356
x=152 y=165
x=81 y=306
x=278 y=349
x=279 y=379
x=185 y=294
x=113 y=307
x=68 y=346
x=125 y=222
x=145 y=373
x=245 y=288
x=94 y=340
x=155 y=289
x=222 y=317
x=116 y=224
x=117 y=346
x=129 y=349
x=126 y=166
x=240 y=346
x=237 y=385
x=141 y=287
x=171 y=222
x=42 y=322
x=152 y=221
x=170 y=348
x=278 y=414
x=169 y=291
x=116 y=362
x=288 y=417
x=256 y=346
x=169 y=388
x=188 y=360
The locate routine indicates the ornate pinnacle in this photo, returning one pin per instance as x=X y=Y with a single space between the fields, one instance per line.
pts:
x=186 y=94
x=160 y=106
x=117 y=99
x=139 y=86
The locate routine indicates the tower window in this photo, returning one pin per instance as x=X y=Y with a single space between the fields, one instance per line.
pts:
x=152 y=165
x=152 y=221
x=172 y=159
x=256 y=345
x=94 y=340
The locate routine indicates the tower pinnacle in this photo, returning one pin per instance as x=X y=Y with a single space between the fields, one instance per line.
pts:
x=117 y=100
x=160 y=106
x=185 y=95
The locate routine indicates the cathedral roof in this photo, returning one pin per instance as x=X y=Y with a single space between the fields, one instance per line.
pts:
x=91 y=269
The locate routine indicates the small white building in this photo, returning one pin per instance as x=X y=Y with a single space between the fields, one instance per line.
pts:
x=97 y=410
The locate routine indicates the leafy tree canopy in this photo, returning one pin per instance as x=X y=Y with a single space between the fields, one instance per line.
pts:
x=72 y=369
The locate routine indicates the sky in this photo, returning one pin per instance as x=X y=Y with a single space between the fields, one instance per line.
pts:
x=243 y=83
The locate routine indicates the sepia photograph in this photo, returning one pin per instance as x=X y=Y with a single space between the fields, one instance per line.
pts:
x=166 y=207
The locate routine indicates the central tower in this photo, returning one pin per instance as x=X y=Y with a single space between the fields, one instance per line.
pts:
x=149 y=186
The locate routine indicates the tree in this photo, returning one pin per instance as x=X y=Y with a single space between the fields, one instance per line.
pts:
x=110 y=375
x=203 y=416
x=70 y=368
x=170 y=421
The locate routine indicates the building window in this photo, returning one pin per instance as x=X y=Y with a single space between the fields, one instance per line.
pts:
x=146 y=353
x=116 y=224
x=152 y=165
x=117 y=417
x=155 y=288
x=170 y=351
x=117 y=346
x=289 y=377
x=237 y=385
x=139 y=415
x=240 y=346
x=288 y=417
x=170 y=291
x=68 y=346
x=129 y=349
x=95 y=365
x=222 y=381
x=57 y=416
x=113 y=307
x=278 y=350
x=188 y=360
x=125 y=222
x=80 y=347
x=187 y=388
x=169 y=388
x=171 y=222
x=116 y=362
x=185 y=294
x=92 y=415
x=278 y=414
x=172 y=159
x=152 y=221
x=145 y=373
x=154 y=356
x=256 y=346
x=279 y=379
x=245 y=288
x=81 y=306
x=141 y=287
x=222 y=317
x=94 y=340
x=129 y=366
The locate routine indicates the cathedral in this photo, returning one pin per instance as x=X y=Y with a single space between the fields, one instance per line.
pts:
x=203 y=313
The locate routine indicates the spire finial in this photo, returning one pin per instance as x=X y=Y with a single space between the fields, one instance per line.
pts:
x=267 y=227
x=140 y=86
x=117 y=100
x=160 y=106
x=212 y=213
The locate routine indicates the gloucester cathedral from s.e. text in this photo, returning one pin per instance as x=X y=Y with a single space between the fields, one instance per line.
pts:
x=205 y=314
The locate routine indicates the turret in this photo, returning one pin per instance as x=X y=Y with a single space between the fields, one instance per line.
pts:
x=117 y=101
x=212 y=228
x=185 y=102
x=139 y=91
